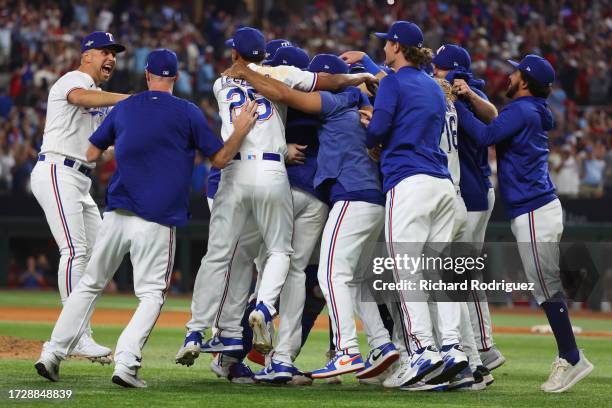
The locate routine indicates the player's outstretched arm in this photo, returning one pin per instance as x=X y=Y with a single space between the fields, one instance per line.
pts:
x=89 y=98
x=338 y=82
x=507 y=124
x=483 y=109
x=242 y=125
x=277 y=91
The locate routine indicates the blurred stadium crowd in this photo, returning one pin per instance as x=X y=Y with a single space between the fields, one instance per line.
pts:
x=39 y=42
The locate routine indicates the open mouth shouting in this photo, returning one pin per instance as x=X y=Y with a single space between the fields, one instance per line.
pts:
x=107 y=69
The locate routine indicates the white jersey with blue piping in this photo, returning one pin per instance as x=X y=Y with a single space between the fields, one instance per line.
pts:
x=448 y=143
x=68 y=127
x=268 y=134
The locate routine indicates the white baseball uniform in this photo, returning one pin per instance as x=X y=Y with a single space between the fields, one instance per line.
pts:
x=59 y=182
x=253 y=188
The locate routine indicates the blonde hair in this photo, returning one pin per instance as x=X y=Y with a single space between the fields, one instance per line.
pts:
x=447 y=89
x=418 y=56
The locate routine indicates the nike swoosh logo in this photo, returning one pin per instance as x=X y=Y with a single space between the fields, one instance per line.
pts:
x=350 y=360
x=417 y=363
x=376 y=356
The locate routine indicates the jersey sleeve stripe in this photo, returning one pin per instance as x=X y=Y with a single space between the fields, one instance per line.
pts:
x=314 y=82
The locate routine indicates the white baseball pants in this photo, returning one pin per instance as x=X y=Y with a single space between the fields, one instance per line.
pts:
x=420 y=210
x=249 y=191
x=479 y=306
x=538 y=234
x=347 y=247
x=309 y=215
x=151 y=247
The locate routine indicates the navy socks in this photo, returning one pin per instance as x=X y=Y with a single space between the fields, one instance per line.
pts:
x=558 y=318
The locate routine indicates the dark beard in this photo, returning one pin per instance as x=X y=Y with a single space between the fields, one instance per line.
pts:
x=512 y=90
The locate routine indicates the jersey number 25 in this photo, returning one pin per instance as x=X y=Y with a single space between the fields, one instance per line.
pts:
x=238 y=98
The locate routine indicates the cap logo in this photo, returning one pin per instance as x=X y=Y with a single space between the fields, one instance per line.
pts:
x=88 y=43
x=326 y=66
x=420 y=44
x=528 y=69
x=395 y=36
x=285 y=44
x=255 y=52
x=110 y=37
x=285 y=62
x=455 y=64
x=165 y=72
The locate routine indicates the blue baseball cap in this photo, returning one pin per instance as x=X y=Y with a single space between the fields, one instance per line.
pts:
x=249 y=42
x=99 y=40
x=273 y=45
x=405 y=33
x=162 y=62
x=293 y=56
x=329 y=63
x=537 y=68
x=450 y=56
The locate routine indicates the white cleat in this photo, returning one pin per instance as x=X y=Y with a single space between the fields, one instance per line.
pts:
x=263 y=329
x=89 y=349
x=127 y=377
x=564 y=375
x=454 y=361
x=190 y=350
x=48 y=366
x=413 y=369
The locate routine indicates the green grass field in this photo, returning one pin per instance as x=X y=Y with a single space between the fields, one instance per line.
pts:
x=517 y=382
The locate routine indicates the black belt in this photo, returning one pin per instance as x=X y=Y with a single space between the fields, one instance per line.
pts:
x=70 y=163
x=264 y=156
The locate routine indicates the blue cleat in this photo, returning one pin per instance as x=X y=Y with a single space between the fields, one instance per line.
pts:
x=190 y=349
x=218 y=344
x=276 y=372
x=454 y=361
x=379 y=359
x=240 y=373
x=342 y=363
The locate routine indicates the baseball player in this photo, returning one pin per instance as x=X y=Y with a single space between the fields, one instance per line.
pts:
x=254 y=188
x=453 y=63
x=350 y=178
x=519 y=133
x=75 y=108
x=409 y=112
x=155 y=136
x=476 y=376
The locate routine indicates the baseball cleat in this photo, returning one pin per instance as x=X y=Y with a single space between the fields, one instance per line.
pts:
x=260 y=321
x=276 y=372
x=48 y=366
x=218 y=344
x=240 y=373
x=379 y=359
x=564 y=375
x=422 y=386
x=454 y=361
x=337 y=380
x=464 y=380
x=413 y=369
x=482 y=378
x=190 y=350
x=89 y=349
x=342 y=363
x=127 y=377
x=492 y=358
x=220 y=365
